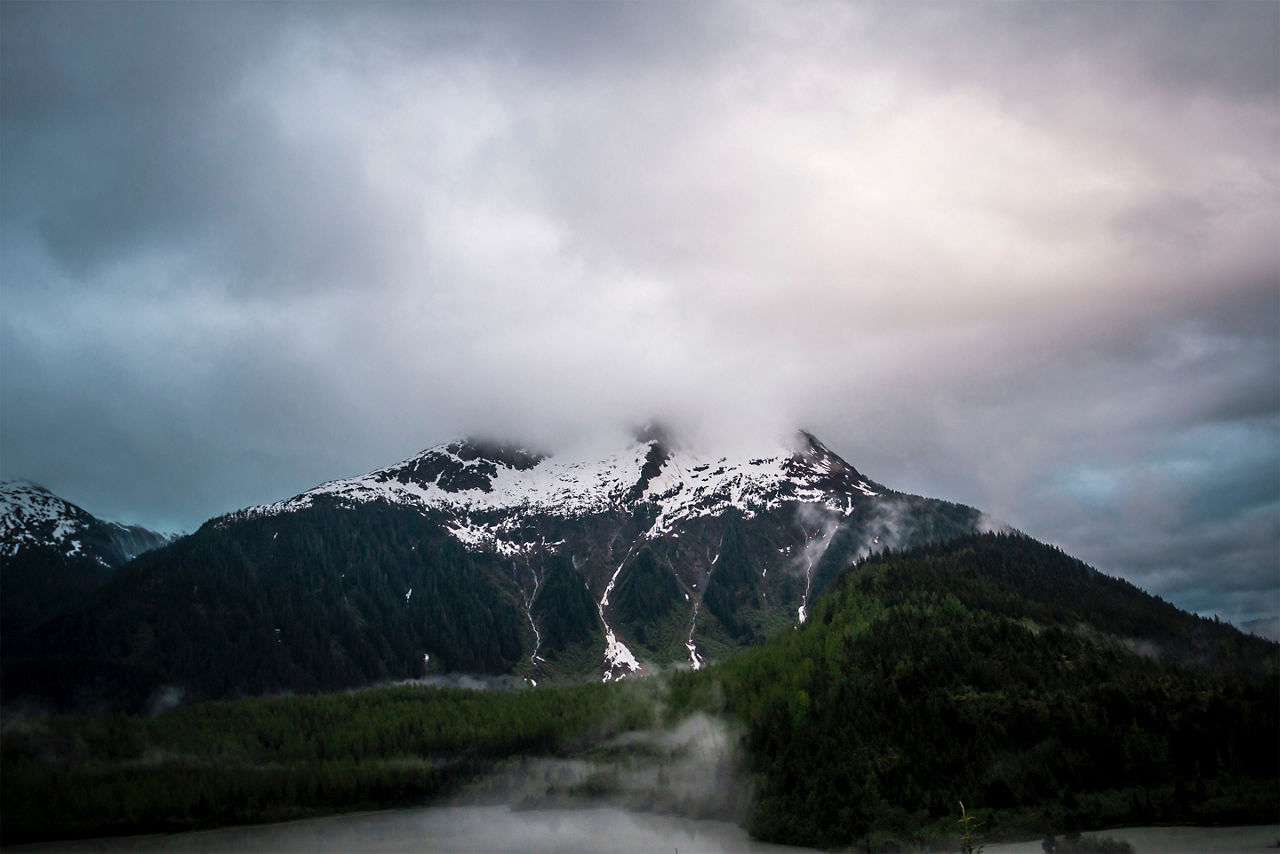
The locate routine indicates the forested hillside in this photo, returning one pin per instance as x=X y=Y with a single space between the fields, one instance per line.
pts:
x=274 y=759
x=344 y=597
x=1002 y=673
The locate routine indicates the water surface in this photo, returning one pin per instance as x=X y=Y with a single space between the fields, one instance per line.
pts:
x=453 y=829
x=1172 y=840
x=464 y=829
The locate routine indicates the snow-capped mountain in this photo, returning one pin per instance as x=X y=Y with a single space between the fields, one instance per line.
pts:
x=478 y=557
x=487 y=492
x=32 y=517
x=52 y=552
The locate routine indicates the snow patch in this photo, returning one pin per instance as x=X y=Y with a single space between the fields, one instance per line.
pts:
x=616 y=654
x=31 y=516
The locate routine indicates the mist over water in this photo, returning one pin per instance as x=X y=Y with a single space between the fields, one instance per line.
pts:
x=676 y=788
x=692 y=769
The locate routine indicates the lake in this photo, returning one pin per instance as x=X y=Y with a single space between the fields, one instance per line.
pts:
x=596 y=829
x=1172 y=840
x=452 y=829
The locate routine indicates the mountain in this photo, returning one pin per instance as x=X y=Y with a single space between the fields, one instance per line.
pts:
x=53 y=553
x=479 y=557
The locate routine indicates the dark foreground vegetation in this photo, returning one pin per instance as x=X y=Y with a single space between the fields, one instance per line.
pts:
x=994 y=671
x=274 y=759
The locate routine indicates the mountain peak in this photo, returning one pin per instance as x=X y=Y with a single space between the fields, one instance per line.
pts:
x=510 y=455
x=653 y=431
x=481 y=488
x=32 y=515
x=14 y=490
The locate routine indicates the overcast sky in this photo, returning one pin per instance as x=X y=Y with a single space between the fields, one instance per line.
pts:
x=1021 y=256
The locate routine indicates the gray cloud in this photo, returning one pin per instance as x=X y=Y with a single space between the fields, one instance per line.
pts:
x=1016 y=255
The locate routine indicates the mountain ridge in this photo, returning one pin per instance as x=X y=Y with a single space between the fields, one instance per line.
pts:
x=34 y=516
x=467 y=476
x=648 y=557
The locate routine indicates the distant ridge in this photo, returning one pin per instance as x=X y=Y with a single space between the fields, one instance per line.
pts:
x=53 y=553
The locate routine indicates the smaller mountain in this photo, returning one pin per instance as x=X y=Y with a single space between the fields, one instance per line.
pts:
x=53 y=553
x=997 y=671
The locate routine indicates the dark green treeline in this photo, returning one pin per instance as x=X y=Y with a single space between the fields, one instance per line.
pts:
x=998 y=671
x=273 y=759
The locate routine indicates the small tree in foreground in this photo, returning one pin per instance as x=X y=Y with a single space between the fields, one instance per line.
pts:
x=970 y=841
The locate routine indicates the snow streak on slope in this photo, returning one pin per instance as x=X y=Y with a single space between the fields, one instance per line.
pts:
x=486 y=496
x=818 y=530
x=616 y=654
x=695 y=660
x=529 y=599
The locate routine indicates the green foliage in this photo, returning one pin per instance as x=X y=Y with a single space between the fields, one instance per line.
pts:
x=39 y=581
x=565 y=610
x=341 y=595
x=38 y=584
x=970 y=838
x=271 y=759
x=644 y=602
x=906 y=521
x=733 y=594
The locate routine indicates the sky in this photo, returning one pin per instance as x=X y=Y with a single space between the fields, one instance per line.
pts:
x=1021 y=256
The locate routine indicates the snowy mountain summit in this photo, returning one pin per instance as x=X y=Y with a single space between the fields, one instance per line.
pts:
x=32 y=517
x=485 y=492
